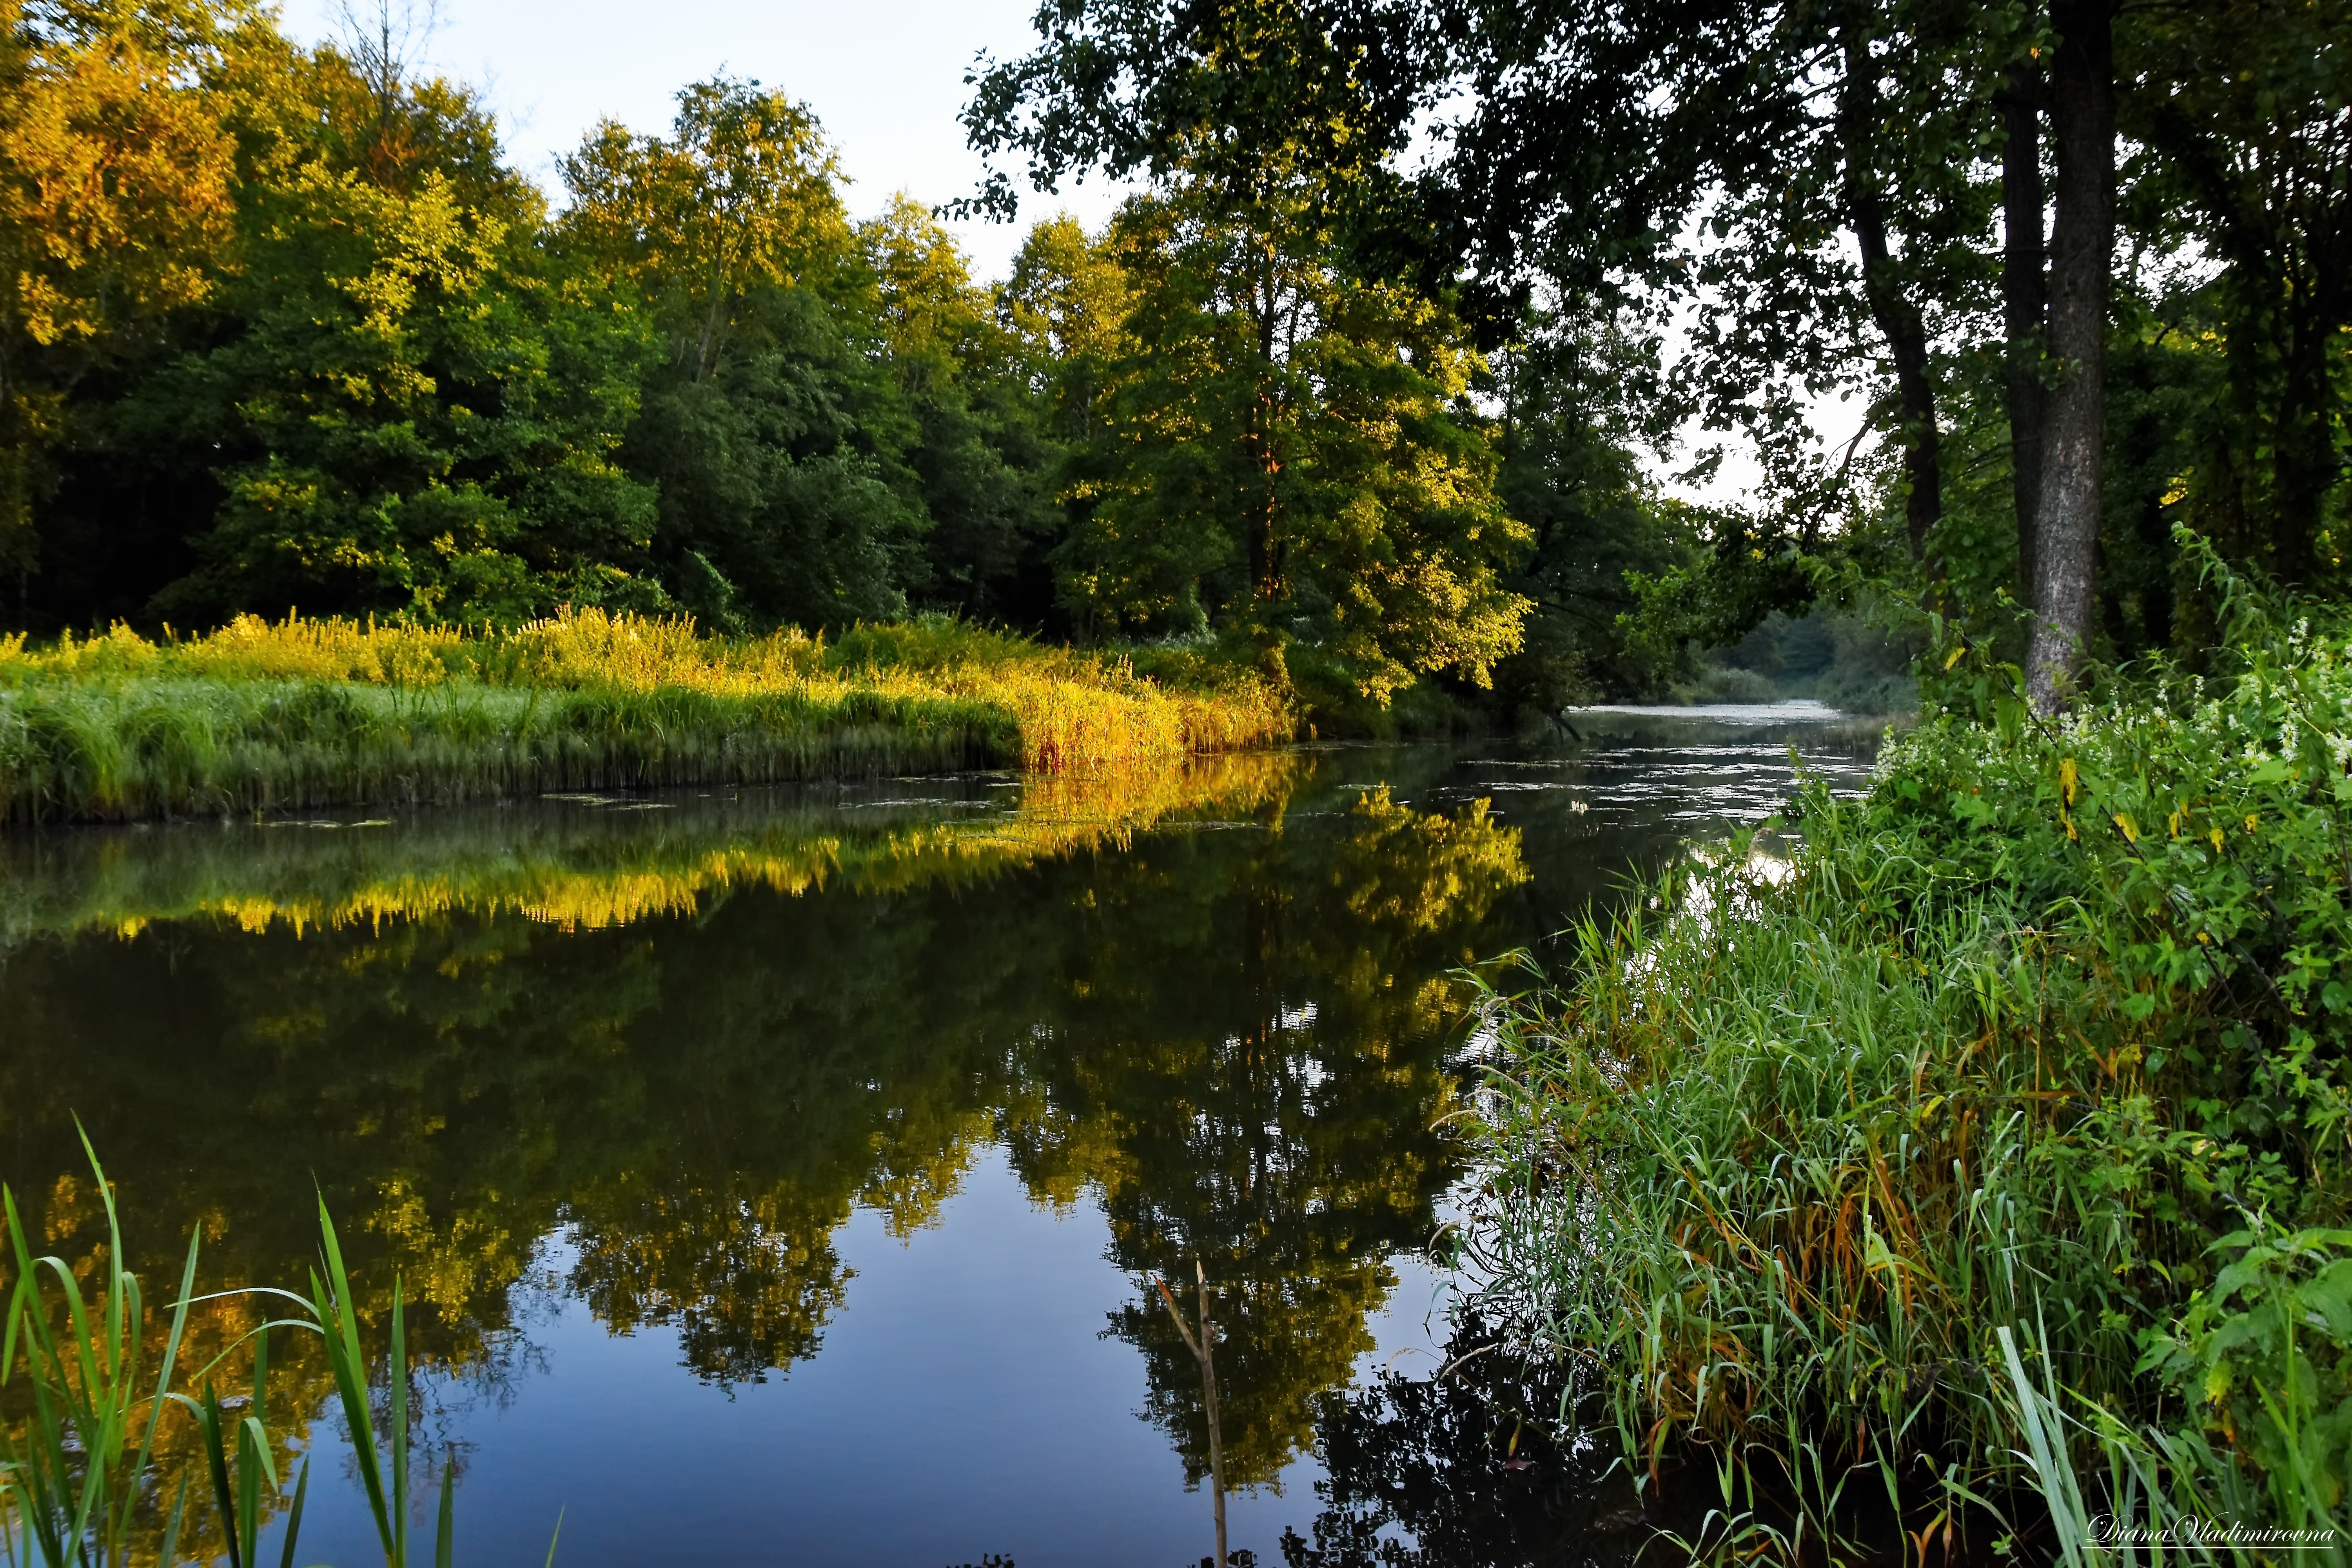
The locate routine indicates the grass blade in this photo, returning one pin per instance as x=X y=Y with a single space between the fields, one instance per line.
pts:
x=170 y=1557
x=294 y=1516
x=338 y=1321
x=208 y=1422
x=396 y=1374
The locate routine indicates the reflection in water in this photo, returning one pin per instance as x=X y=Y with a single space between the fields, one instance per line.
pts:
x=1463 y=1466
x=666 y=1054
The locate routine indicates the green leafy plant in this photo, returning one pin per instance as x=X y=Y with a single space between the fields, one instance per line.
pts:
x=73 y=1485
x=73 y=1479
x=2022 y=1037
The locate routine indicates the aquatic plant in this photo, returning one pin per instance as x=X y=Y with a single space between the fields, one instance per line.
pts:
x=301 y=714
x=2035 y=1057
x=78 y=1486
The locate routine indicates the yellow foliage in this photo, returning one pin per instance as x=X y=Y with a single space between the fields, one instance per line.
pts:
x=1075 y=713
x=670 y=875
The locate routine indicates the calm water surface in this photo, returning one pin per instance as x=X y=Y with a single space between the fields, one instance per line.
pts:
x=781 y=1172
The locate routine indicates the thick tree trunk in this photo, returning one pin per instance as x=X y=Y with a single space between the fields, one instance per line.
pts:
x=2024 y=298
x=2075 y=427
x=1896 y=318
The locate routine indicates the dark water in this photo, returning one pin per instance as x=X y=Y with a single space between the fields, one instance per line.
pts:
x=779 y=1173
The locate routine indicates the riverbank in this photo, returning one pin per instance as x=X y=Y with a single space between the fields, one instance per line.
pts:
x=1987 y=1154
x=310 y=714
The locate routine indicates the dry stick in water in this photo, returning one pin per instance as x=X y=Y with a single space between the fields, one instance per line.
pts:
x=1203 y=1350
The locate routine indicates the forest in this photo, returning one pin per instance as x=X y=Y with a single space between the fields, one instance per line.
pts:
x=1968 y=1181
x=289 y=333
x=1953 y=1169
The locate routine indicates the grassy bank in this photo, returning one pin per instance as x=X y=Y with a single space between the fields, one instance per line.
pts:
x=1991 y=1156
x=304 y=714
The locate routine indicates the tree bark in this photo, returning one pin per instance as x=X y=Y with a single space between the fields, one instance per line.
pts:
x=2304 y=464
x=2024 y=298
x=2075 y=424
x=1896 y=318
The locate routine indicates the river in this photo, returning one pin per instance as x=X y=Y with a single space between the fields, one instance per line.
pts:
x=778 y=1174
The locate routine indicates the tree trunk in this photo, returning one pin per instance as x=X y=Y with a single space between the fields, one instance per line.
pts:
x=2024 y=298
x=2074 y=426
x=2304 y=462
x=1896 y=316
x=1263 y=464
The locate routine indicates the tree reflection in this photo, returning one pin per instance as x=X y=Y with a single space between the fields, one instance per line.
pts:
x=1276 y=1109
x=1459 y=1469
x=1231 y=1035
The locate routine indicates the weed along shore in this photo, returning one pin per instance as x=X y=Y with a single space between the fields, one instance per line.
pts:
x=305 y=714
x=2013 y=1102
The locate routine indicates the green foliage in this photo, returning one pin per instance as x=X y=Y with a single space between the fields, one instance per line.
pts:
x=410 y=421
x=2263 y=1353
x=2020 y=1041
x=979 y=455
x=1571 y=474
x=1289 y=452
x=74 y=1486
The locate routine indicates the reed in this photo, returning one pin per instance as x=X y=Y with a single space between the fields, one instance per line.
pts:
x=81 y=1479
x=1770 y=1182
x=302 y=714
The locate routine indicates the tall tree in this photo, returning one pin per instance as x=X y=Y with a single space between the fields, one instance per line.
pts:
x=1731 y=160
x=774 y=435
x=978 y=456
x=742 y=194
x=2240 y=105
x=116 y=199
x=1290 y=453
x=395 y=409
x=2083 y=248
x=2024 y=287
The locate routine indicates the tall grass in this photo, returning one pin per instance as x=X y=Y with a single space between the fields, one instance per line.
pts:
x=1995 y=1141
x=81 y=1484
x=299 y=714
x=1772 y=1184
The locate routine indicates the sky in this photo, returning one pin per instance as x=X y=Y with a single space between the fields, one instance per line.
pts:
x=885 y=76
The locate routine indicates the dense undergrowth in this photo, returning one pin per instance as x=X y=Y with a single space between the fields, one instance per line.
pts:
x=298 y=714
x=1989 y=1156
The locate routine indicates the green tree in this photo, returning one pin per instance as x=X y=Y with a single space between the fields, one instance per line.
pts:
x=116 y=199
x=1289 y=452
x=404 y=411
x=977 y=455
x=1570 y=440
x=2240 y=105
x=773 y=436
